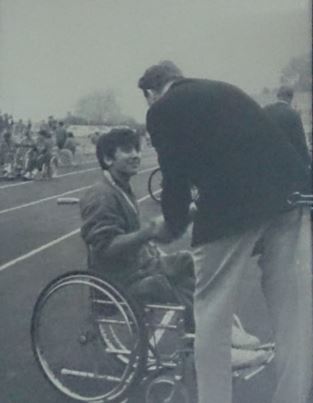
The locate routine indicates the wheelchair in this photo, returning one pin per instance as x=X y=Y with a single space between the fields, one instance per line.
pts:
x=94 y=343
x=59 y=158
x=17 y=162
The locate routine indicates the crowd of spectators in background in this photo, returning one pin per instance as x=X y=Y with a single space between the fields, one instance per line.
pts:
x=26 y=151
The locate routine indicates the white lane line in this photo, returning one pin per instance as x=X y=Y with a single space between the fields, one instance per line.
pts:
x=44 y=200
x=49 y=244
x=37 y=250
x=12 y=185
x=77 y=172
x=147 y=169
x=97 y=168
x=8 y=210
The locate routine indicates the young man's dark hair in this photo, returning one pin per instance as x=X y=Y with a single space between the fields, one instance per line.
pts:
x=155 y=77
x=108 y=143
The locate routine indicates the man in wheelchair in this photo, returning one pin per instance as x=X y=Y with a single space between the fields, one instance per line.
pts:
x=122 y=249
x=7 y=152
x=40 y=156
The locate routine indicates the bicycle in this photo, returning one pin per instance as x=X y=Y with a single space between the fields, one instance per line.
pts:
x=155 y=182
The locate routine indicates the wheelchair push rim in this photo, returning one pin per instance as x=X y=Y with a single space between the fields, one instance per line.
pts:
x=68 y=344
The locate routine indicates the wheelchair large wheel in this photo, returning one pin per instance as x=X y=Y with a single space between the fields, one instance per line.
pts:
x=69 y=346
x=66 y=157
x=155 y=185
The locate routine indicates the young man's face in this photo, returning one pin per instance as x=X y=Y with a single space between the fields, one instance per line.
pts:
x=126 y=160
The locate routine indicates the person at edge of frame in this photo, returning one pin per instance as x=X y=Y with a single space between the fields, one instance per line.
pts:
x=289 y=120
x=212 y=135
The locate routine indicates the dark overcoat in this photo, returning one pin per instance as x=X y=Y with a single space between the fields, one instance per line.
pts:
x=212 y=135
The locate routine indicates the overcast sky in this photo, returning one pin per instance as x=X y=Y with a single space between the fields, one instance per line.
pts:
x=54 y=51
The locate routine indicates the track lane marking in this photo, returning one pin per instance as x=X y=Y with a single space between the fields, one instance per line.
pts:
x=8 y=210
x=50 y=244
x=38 y=250
x=12 y=185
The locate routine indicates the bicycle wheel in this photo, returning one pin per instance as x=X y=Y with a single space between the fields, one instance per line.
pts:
x=155 y=185
x=69 y=347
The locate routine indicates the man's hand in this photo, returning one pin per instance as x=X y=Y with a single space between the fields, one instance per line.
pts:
x=160 y=231
x=192 y=210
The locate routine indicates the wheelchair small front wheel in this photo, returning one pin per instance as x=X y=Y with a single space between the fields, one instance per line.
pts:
x=69 y=347
x=166 y=389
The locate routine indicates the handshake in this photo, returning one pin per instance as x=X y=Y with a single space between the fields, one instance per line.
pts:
x=158 y=231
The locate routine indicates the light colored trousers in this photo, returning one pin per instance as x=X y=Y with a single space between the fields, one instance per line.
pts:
x=286 y=266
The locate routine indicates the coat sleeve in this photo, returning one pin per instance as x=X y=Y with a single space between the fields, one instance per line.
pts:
x=299 y=139
x=101 y=222
x=176 y=195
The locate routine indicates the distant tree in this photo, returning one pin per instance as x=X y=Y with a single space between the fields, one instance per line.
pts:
x=298 y=73
x=98 y=107
x=71 y=119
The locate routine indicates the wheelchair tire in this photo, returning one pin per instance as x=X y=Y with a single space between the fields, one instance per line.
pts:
x=166 y=389
x=69 y=347
x=65 y=157
x=155 y=185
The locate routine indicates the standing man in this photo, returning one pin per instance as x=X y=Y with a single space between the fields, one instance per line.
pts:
x=212 y=135
x=289 y=120
x=60 y=135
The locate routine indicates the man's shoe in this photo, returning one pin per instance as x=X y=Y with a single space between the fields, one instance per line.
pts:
x=27 y=176
x=242 y=339
x=241 y=359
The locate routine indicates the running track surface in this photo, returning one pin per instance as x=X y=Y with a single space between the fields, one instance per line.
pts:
x=39 y=241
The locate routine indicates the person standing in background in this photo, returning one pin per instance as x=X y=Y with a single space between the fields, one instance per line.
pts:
x=60 y=135
x=289 y=121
